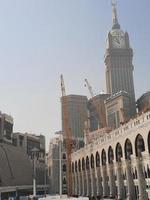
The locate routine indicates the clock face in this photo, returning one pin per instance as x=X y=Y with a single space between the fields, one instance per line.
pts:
x=118 y=39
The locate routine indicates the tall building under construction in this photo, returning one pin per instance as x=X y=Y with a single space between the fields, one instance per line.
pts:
x=76 y=106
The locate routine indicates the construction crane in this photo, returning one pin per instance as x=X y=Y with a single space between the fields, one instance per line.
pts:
x=89 y=87
x=92 y=95
x=63 y=90
x=67 y=134
x=99 y=112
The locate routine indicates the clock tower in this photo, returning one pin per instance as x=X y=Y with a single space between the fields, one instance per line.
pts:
x=118 y=61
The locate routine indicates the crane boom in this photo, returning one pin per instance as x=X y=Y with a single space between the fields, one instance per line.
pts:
x=100 y=119
x=67 y=134
x=89 y=87
x=63 y=91
x=92 y=95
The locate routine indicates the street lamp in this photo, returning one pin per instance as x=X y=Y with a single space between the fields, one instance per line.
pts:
x=34 y=152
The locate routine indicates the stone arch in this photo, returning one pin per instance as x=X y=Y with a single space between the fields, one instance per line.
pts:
x=128 y=149
x=79 y=165
x=118 y=152
x=76 y=166
x=87 y=163
x=139 y=145
x=92 y=161
x=72 y=167
x=97 y=158
x=103 y=157
x=148 y=142
x=110 y=155
x=83 y=164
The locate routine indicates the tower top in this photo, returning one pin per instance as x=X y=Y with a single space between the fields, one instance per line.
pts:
x=114 y=15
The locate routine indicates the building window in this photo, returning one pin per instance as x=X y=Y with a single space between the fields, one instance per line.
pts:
x=64 y=181
x=64 y=168
x=64 y=156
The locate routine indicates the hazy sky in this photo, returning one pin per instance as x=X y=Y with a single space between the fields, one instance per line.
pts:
x=40 y=39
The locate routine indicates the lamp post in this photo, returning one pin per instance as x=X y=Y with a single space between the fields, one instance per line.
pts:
x=34 y=152
x=16 y=193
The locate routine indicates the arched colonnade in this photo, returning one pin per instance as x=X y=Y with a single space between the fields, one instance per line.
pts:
x=121 y=169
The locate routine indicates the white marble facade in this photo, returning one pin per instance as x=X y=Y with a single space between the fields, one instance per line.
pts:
x=115 y=165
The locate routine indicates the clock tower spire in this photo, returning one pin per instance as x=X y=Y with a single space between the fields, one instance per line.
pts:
x=118 y=60
x=114 y=15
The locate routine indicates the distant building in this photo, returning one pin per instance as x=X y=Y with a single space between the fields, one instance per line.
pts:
x=53 y=165
x=16 y=173
x=143 y=103
x=28 y=142
x=118 y=109
x=75 y=106
x=53 y=162
x=97 y=113
x=15 y=166
x=6 y=128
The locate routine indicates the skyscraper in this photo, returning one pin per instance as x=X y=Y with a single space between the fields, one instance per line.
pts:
x=118 y=61
x=76 y=106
